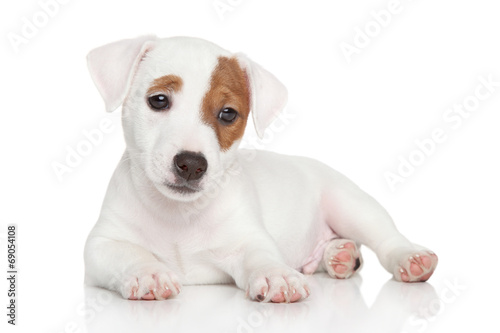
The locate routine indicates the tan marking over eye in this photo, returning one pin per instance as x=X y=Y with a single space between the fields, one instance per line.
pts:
x=166 y=84
x=228 y=89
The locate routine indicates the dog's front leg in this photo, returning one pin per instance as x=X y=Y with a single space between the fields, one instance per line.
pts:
x=273 y=281
x=128 y=269
x=259 y=269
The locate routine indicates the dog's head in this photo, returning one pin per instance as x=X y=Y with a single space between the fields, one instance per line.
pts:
x=186 y=103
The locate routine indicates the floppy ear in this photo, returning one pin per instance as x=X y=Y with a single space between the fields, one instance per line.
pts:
x=113 y=66
x=268 y=96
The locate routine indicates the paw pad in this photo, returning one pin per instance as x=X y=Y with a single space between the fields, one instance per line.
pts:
x=417 y=267
x=342 y=258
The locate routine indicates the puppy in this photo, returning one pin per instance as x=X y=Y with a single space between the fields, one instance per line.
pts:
x=186 y=206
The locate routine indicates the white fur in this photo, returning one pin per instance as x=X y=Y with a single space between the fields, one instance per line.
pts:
x=258 y=217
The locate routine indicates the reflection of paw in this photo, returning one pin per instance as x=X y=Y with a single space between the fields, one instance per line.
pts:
x=150 y=285
x=342 y=258
x=277 y=285
x=416 y=267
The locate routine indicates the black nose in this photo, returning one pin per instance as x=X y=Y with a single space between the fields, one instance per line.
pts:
x=190 y=166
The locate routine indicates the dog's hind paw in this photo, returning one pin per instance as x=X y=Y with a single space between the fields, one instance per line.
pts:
x=277 y=285
x=416 y=267
x=157 y=285
x=342 y=258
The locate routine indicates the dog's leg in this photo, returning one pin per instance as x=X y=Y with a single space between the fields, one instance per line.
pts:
x=128 y=269
x=342 y=258
x=276 y=283
x=353 y=214
x=258 y=267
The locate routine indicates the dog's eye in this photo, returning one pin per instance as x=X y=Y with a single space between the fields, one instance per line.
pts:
x=159 y=102
x=228 y=116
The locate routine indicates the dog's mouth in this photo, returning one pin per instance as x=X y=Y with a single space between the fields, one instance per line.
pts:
x=183 y=188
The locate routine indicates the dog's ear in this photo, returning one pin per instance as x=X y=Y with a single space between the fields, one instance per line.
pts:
x=268 y=96
x=113 y=66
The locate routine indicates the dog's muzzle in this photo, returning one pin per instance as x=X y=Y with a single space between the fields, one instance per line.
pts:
x=189 y=168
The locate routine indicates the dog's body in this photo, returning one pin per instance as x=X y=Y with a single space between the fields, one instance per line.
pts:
x=186 y=206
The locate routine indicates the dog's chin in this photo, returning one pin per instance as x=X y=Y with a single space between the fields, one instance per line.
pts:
x=184 y=193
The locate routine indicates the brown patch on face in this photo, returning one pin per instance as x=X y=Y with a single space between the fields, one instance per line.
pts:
x=228 y=89
x=166 y=84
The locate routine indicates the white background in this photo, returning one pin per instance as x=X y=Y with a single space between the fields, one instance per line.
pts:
x=359 y=116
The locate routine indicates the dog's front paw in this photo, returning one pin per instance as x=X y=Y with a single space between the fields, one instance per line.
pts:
x=277 y=285
x=151 y=283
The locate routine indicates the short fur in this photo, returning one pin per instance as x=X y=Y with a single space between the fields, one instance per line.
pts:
x=254 y=218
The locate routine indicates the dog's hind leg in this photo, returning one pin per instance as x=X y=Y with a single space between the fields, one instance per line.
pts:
x=342 y=258
x=353 y=214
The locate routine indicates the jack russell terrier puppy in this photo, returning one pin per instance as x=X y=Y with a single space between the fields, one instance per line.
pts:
x=186 y=206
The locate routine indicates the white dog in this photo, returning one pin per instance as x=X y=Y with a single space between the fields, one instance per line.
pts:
x=185 y=206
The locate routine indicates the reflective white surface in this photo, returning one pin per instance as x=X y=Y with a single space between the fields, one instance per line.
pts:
x=335 y=305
